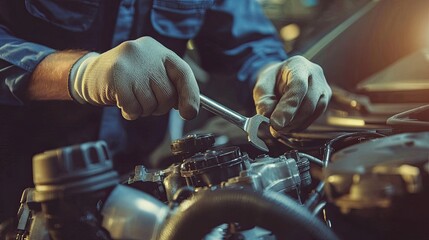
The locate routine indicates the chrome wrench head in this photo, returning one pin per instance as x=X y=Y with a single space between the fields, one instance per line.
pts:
x=252 y=126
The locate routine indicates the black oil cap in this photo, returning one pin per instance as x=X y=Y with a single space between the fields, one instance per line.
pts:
x=73 y=170
x=192 y=144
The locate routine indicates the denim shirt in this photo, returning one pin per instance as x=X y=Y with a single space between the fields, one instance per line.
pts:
x=232 y=36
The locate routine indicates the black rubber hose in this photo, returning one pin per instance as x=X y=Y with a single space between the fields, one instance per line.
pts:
x=270 y=210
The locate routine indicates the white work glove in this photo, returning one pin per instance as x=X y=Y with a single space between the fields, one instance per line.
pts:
x=141 y=77
x=292 y=94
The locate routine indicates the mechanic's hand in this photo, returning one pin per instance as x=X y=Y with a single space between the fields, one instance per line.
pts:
x=141 y=77
x=292 y=93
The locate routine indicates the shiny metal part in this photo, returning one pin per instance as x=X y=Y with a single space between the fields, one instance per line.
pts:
x=249 y=125
x=132 y=214
x=265 y=173
x=141 y=174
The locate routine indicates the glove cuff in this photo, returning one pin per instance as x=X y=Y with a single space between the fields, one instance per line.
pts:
x=76 y=75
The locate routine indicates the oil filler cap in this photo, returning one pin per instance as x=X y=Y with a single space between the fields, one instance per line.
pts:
x=73 y=170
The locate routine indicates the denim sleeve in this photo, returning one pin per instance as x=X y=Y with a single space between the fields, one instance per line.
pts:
x=237 y=38
x=18 y=59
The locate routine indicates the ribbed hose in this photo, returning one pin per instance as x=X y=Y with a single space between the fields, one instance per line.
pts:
x=270 y=210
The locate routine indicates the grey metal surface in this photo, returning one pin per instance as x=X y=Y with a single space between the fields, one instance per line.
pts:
x=249 y=125
x=266 y=173
x=132 y=214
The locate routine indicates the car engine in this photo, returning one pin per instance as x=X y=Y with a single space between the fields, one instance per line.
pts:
x=370 y=184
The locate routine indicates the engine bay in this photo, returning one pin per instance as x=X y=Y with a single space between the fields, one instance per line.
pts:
x=370 y=184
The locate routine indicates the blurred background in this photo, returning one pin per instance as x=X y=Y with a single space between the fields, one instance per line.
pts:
x=354 y=41
x=373 y=53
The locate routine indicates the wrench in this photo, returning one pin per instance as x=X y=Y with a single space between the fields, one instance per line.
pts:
x=249 y=125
